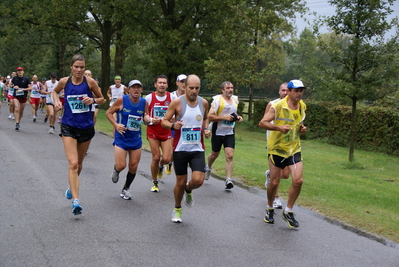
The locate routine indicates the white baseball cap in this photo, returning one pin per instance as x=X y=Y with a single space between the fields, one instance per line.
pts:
x=133 y=82
x=181 y=77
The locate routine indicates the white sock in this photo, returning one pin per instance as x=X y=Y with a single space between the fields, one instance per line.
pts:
x=288 y=210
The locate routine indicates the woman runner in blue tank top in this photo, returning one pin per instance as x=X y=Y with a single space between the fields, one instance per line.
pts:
x=77 y=128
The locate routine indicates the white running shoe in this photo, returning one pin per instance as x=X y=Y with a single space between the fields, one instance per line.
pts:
x=207 y=172
x=176 y=215
x=229 y=184
x=51 y=131
x=125 y=194
x=277 y=203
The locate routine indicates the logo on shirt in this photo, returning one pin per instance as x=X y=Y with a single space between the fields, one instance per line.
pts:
x=198 y=117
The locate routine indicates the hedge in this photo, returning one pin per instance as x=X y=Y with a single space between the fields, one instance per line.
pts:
x=377 y=127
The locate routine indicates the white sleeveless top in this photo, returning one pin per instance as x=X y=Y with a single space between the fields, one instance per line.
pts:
x=116 y=93
x=189 y=137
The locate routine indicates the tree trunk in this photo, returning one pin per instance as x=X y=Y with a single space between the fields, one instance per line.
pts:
x=106 y=57
x=61 y=59
x=353 y=130
x=251 y=99
x=120 y=48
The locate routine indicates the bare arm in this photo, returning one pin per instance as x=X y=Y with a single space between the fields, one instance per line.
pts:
x=116 y=106
x=205 y=122
x=173 y=111
x=54 y=95
x=109 y=94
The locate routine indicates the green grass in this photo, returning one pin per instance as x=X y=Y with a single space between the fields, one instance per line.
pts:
x=363 y=194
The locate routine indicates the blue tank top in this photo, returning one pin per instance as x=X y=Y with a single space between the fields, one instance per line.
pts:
x=76 y=114
x=131 y=116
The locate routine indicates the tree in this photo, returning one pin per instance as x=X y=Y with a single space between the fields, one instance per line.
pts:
x=358 y=49
x=250 y=49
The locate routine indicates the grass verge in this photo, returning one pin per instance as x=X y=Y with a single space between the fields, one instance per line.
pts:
x=363 y=194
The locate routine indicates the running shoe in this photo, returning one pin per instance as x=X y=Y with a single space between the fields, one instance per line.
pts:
x=168 y=168
x=160 y=173
x=9 y=117
x=269 y=216
x=155 y=187
x=125 y=194
x=59 y=119
x=51 y=131
x=207 y=172
x=229 y=183
x=45 y=119
x=290 y=219
x=188 y=199
x=277 y=203
x=267 y=175
x=34 y=118
x=17 y=127
x=115 y=175
x=12 y=116
x=76 y=208
x=176 y=215
x=68 y=194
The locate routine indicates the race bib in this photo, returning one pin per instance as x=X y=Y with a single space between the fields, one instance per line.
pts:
x=19 y=93
x=159 y=111
x=133 y=123
x=76 y=104
x=35 y=93
x=228 y=124
x=191 y=135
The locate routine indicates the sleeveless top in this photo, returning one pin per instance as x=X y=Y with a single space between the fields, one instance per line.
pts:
x=286 y=145
x=35 y=90
x=190 y=137
x=76 y=114
x=131 y=116
x=50 y=87
x=222 y=108
x=158 y=109
x=116 y=92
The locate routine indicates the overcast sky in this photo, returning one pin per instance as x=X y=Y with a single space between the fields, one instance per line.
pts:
x=323 y=8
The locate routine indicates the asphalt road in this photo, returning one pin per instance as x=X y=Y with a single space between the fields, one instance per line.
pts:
x=223 y=228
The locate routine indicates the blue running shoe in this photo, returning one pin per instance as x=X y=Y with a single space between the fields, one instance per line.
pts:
x=76 y=208
x=68 y=194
